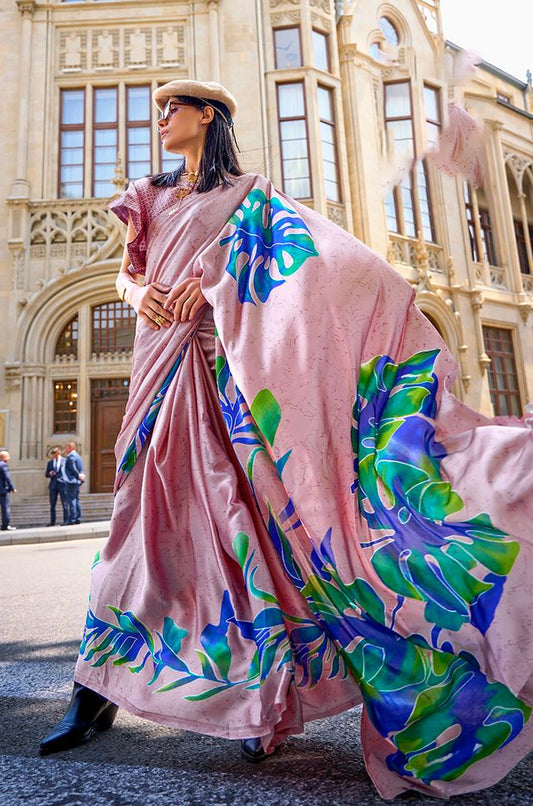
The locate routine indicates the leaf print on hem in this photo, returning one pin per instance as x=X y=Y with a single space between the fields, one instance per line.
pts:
x=269 y=242
x=457 y=567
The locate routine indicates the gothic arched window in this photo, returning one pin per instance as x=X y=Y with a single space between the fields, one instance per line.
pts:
x=113 y=328
x=67 y=343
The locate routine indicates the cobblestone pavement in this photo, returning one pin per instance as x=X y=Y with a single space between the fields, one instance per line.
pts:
x=43 y=591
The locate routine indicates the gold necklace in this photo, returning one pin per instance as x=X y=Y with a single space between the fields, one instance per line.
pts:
x=190 y=180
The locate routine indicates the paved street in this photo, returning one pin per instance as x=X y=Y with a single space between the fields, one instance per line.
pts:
x=43 y=592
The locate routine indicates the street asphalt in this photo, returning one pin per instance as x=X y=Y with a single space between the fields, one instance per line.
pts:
x=43 y=593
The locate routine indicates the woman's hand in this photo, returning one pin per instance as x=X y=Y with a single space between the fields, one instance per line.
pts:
x=149 y=304
x=185 y=300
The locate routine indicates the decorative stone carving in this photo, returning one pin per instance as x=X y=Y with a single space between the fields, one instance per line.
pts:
x=27 y=7
x=275 y=3
x=72 y=51
x=336 y=214
x=321 y=22
x=138 y=47
x=518 y=165
x=13 y=375
x=430 y=12
x=325 y=5
x=284 y=17
x=105 y=50
x=170 y=46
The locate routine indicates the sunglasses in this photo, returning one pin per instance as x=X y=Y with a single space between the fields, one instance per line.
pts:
x=170 y=108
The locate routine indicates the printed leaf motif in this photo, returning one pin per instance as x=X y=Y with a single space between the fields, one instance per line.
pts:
x=268 y=242
x=457 y=567
x=266 y=412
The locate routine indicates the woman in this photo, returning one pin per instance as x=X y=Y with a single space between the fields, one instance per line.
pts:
x=325 y=524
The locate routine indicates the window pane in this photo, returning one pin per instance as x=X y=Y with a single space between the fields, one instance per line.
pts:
x=67 y=343
x=138 y=103
x=431 y=103
x=293 y=130
x=72 y=139
x=287 y=47
x=72 y=173
x=502 y=374
x=320 y=50
x=113 y=328
x=298 y=188
x=291 y=100
x=65 y=406
x=139 y=135
x=390 y=211
x=389 y=31
x=105 y=137
x=72 y=106
x=398 y=100
x=402 y=134
x=325 y=104
x=105 y=105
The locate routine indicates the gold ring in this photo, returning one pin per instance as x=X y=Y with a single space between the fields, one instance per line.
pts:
x=159 y=320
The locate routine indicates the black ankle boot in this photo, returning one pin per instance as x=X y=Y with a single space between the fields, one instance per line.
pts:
x=87 y=713
x=252 y=750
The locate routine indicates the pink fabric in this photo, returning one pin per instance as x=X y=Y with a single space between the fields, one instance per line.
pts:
x=248 y=534
x=461 y=146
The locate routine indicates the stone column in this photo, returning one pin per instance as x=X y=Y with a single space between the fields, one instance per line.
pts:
x=20 y=188
x=32 y=420
x=214 y=41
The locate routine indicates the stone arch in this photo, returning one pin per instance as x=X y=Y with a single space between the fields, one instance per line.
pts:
x=47 y=313
x=440 y=313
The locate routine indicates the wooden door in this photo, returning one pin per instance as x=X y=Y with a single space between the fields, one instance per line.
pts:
x=108 y=400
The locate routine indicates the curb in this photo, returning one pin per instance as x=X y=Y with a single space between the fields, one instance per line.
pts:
x=55 y=534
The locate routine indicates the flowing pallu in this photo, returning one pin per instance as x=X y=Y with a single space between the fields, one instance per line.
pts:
x=323 y=524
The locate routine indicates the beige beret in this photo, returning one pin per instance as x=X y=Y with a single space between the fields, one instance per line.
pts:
x=205 y=90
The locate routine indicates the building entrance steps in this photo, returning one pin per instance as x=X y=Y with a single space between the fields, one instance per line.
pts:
x=35 y=510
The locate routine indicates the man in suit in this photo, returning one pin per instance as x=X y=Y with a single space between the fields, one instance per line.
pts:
x=55 y=471
x=6 y=487
x=74 y=477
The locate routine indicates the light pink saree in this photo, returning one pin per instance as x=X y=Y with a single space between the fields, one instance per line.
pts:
x=323 y=525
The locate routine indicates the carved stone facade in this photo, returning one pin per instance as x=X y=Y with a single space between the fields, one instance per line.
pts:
x=59 y=257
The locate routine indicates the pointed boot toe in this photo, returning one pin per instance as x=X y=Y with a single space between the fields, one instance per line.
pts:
x=87 y=714
x=252 y=750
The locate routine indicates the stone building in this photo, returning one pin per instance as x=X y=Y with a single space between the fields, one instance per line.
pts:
x=327 y=90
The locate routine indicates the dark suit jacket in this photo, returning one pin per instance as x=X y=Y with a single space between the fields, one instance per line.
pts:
x=59 y=479
x=73 y=468
x=6 y=483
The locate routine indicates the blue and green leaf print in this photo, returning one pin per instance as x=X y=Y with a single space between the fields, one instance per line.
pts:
x=269 y=243
x=457 y=567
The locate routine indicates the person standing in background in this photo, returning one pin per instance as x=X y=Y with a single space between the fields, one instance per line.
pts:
x=6 y=487
x=74 y=478
x=55 y=471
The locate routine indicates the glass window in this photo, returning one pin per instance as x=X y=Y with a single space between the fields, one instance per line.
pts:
x=483 y=250
x=502 y=374
x=105 y=140
x=67 y=343
x=329 y=143
x=433 y=116
x=113 y=328
x=138 y=132
x=408 y=206
x=320 y=50
x=294 y=140
x=287 y=47
x=389 y=31
x=71 y=144
x=65 y=406
x=520 y=237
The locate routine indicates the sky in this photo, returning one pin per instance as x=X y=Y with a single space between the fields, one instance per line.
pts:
x=499 y=30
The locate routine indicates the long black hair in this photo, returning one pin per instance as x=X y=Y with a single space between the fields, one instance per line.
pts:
x=219 y=162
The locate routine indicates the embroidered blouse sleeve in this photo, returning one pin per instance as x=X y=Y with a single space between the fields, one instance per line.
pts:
x=132 y=204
